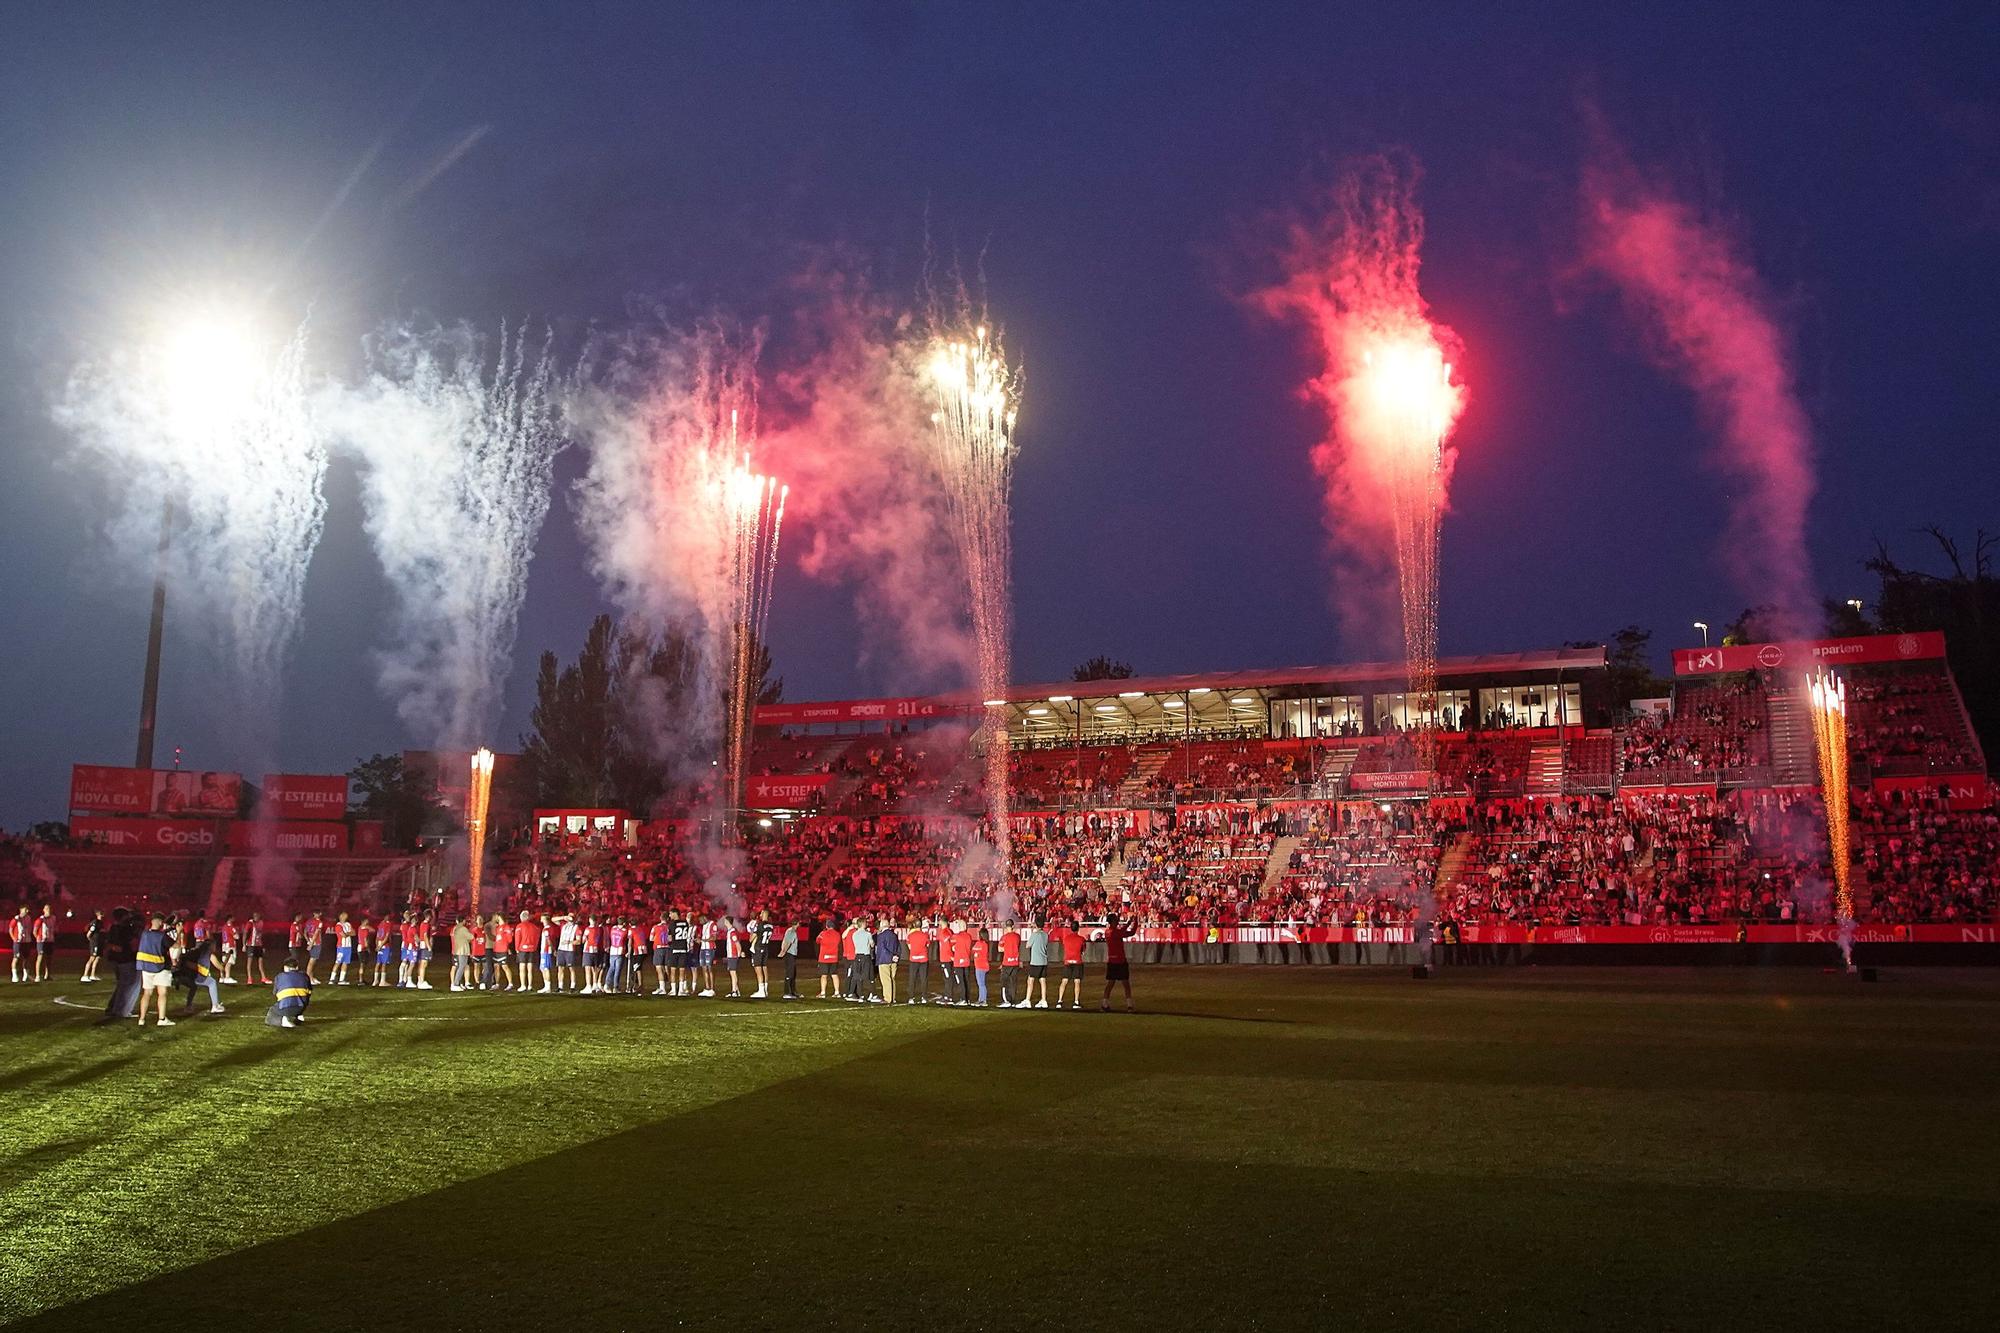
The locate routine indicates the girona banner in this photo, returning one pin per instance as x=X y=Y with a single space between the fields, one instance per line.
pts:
x=306 y=795
x=293 y=837
x=151 y=837
x=783 y=791
x=858 y=710
x=1808 y=653
x=1961 y=791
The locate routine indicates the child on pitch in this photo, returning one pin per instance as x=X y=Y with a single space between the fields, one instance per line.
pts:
x=829 y=962
x=1038 y=967
x=406 y=977
x=18 y=931
x=155 y=954
x=253 y=951
x=1072 y=947
x=501 y=951
x=196 y=972
x=385 y=947
x=293 y=989
x=566 y=936
x=614 y=961
x=343 y=950
x=662 y=940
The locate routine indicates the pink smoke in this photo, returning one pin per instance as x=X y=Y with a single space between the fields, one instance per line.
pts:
x=854 y=418
x=1687 y=283
x=1349 y=272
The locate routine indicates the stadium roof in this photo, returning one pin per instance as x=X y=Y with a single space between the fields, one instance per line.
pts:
x=1352 y=673
x=1212 y=687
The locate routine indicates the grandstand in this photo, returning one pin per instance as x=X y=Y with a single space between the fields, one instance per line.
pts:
x=1292 y=798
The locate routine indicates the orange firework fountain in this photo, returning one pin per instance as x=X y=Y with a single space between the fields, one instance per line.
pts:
x=476 y=795
x=975 y=396
x=1828 y=694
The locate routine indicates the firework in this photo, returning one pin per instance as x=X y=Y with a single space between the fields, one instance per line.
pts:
x=974 y=398
x=211 y=422
x=477 y=792
x=1828 y=696
x=1351 y=275
x=752 y=515
x=458 y=437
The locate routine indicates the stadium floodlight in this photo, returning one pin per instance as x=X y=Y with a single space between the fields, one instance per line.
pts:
x=1131 y=694
x=1201 y=689
x=996 y=703
x=1173 y=703
x=1038 y=711
x=1107 y=708
x=1062 y=698
x=212 y=368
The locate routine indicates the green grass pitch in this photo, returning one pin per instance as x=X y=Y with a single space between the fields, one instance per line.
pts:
x=1268 y=1147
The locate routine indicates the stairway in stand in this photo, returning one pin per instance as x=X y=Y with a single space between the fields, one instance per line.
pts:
x=1144 y=769
x=1451 y=863
x=1792 y=758
x=1278 y=863
x=1545 y=770
x=1113 y=879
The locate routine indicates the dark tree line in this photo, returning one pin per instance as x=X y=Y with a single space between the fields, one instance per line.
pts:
x=609 y=728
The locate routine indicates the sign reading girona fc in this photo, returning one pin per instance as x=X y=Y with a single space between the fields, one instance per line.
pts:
x=1808 y=654
x=306 y=795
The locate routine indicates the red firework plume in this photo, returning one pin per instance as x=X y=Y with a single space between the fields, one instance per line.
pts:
x=1350 y=275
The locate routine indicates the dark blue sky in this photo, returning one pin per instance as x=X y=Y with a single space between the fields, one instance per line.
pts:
x=1106 y=158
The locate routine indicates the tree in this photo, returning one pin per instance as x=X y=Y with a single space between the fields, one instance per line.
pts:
x=627 y=718
x=1628 y=666
x=403 y=799
x=1102 y=668
x=1755 y=624
x=568 y=756
x=1965 y=604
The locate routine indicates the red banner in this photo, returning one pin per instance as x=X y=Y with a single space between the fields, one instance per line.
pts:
x=152 y=837
x=102 y=789
x=306 y=795
x=299 y=837
x=783 y=791
x=1808 y=653
x=1726 y=933
x=1962 y=792
x=859 y=710
x=1414 y=781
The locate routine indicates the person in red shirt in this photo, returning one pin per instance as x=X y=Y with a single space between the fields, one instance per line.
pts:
x=527 y=939
x=829 y=962
x=1010 y=967
x=961 y=962
x=1072 y=947
x=1116 y=968
x=387 y=932
x=918 y=935
x=982 y=958
x=503 y=951
x=478 y=974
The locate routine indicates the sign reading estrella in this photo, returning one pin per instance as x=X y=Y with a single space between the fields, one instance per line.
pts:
x=783 y=791
x=1807 y=653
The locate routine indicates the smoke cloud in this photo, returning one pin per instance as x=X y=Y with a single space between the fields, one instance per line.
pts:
x=218 y=430
x=853 y=442
x=458 y=443
x=1687 y=284
x=667 y=420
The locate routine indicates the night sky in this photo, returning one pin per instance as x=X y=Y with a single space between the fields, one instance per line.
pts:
x=571 y=162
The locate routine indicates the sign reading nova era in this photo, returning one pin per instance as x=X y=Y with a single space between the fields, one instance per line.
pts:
x=108 y=790
x=1804 y=654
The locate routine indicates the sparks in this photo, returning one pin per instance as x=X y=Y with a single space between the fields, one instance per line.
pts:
x=1828 y=696
x=975 y=395
x=477 y=792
